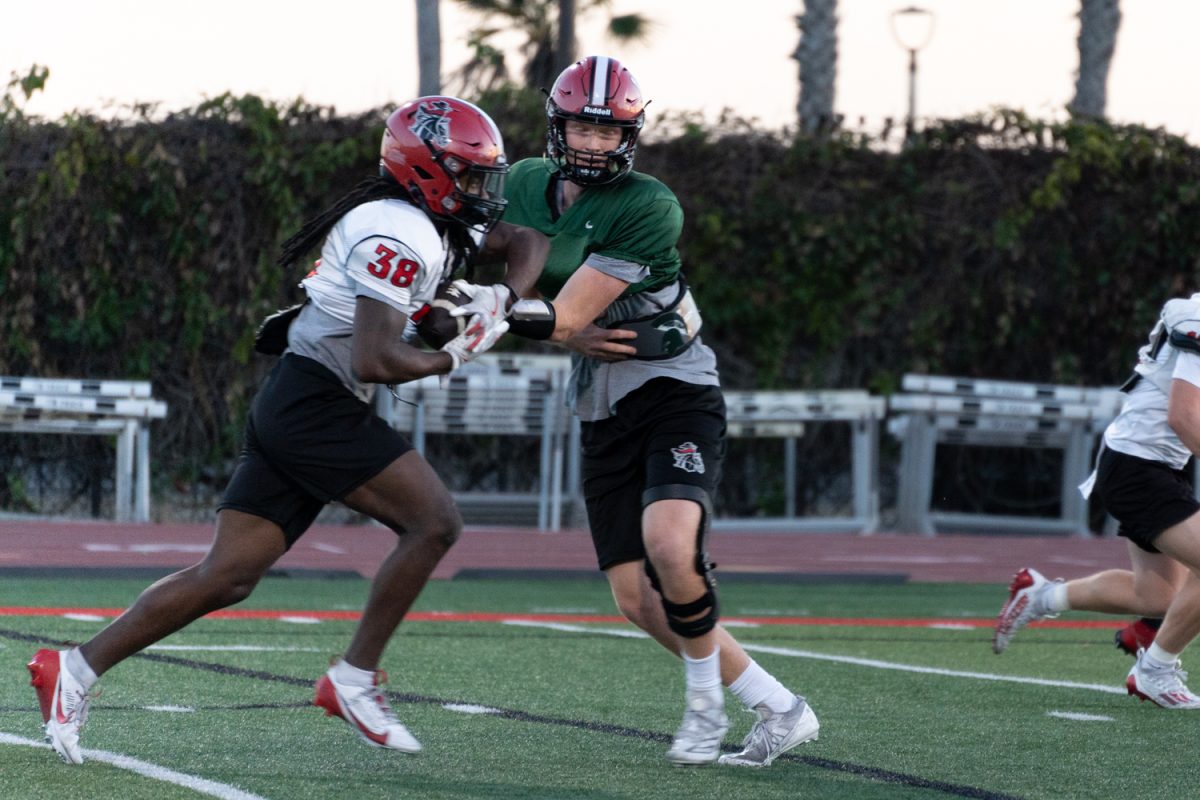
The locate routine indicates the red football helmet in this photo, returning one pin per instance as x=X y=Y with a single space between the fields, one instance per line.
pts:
x=600 y=91
x=449 y=154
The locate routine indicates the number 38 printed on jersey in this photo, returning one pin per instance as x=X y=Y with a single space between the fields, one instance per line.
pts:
x=387 y=267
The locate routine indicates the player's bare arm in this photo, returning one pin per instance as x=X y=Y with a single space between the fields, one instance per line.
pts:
x=583 y=299
x=1183 y=413
x=379 y=355
x=524 y=250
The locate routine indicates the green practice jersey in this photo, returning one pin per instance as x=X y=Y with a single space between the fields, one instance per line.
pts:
x=636 y=219
x=627 y=229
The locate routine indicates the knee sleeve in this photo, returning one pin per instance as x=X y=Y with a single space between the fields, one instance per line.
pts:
x=706 y=604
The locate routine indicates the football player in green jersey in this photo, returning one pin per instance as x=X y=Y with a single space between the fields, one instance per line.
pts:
x=648 y=396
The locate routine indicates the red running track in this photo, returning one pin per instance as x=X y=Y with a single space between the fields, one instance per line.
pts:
x=946 y=558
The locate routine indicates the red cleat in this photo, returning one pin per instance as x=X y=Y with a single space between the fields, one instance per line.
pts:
x=1134 y=636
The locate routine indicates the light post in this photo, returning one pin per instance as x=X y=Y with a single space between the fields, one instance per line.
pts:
x=913 y=28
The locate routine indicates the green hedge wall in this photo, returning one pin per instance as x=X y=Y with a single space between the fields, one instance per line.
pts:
x=998 y=246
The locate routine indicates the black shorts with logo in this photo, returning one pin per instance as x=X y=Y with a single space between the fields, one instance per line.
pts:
x=665 y=432
x=309 y=440
x=1145 y=497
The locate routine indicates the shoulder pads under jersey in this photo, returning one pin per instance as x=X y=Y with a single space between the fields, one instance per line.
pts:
x=1181 y=317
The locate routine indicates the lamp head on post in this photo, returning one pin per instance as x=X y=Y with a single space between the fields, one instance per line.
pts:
x=913 y=28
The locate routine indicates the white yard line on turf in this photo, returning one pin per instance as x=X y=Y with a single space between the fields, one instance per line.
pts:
x=201 y=785
x=862 y=662
x=562 y=626
x=233 y=648
x=1077 y=716
x=171 y=709
x=470 y=708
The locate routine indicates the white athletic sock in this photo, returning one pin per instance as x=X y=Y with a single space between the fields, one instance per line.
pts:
x=703 y=674
x=81 y=669
x=1055 y=597
x=1157 y=658
x=755 y=687
x=352 y=675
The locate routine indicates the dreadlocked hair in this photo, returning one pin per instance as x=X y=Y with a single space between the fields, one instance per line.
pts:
x=314 y=231
x=462 y=247
x=462 y=252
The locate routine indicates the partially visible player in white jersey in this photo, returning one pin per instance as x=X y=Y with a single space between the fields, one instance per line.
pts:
x=312 y=436
x=1143 y=478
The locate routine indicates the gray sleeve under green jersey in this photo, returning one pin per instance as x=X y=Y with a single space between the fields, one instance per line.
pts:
x=596 y=386
x=640 y=251
x=628 y=230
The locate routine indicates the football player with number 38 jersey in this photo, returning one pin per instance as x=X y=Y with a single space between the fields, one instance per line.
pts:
x=363 y=257
x=312 y=436
x=647 y=392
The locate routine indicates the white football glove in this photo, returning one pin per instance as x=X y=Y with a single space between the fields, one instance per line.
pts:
x=490 y=301
x=481 y=333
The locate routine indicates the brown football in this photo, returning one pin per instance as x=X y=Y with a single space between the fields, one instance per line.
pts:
x=437 y=326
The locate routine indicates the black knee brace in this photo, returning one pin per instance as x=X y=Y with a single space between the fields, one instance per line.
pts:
x=706 y=603
x=692 y=628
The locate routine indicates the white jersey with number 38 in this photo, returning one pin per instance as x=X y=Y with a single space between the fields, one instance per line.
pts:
x=387 y=250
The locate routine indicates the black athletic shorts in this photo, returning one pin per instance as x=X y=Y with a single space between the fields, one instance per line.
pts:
x=1145 y=497
x=664 y=433
x=309 y=440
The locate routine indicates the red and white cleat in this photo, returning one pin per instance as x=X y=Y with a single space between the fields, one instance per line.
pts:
x=366 y=710
x=63 y=700
x=1163 y=687
x=1024 y=605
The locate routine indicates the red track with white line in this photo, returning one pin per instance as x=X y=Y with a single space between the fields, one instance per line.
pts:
x=480 y=616
x=944 y=558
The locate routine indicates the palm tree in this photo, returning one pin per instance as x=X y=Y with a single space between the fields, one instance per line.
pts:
x=429 y=48
x=565 y=51
x=544 y=49
x=817 y=54
x=1098 y=24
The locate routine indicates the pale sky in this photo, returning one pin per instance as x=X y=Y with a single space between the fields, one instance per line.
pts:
x=704 y=55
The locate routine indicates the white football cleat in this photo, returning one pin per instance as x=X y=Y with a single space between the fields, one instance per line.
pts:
x=774 y=734
x=1025 y=604
x=698 y=740
x=1163 y=687
x=367 y=712
x=63 y=701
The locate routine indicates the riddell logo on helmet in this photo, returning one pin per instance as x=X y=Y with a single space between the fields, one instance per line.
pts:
x=599 y=111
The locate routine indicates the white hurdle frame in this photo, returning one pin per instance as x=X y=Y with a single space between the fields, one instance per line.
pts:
x=783 y=415
x=499 y=394
x=91 y=407
x=951 y=410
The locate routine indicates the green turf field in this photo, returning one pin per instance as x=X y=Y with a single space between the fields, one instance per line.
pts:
x=578 y=711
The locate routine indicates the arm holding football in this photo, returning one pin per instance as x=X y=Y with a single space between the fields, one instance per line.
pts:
x=377 y=353
x=488 y=309
x=492 y=301
x=480 y=335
